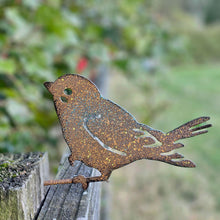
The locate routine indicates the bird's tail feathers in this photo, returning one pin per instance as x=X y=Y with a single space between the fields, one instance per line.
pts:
x=180 y=163
x=189 y=129
x=175 y=158
x=170 y=156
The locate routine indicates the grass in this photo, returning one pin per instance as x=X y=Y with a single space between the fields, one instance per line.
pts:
x=153 y=190
x=194 y=92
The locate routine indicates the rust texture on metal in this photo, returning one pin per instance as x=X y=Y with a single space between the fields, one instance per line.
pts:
x=105 y=136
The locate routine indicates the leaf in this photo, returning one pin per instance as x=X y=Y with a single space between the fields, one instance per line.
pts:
x=72 y=18
x=21 y=28
x=100 y=52
x=18 y=111
x=7 y=66
x=121 y=63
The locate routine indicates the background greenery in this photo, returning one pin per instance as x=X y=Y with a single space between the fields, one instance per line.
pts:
x=41 y=40
x=164 y=54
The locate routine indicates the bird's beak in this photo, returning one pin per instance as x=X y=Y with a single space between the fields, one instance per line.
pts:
x=48 y=85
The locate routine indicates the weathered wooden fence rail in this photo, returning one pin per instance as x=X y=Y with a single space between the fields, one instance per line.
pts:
x=24 y=196
x=69 y=201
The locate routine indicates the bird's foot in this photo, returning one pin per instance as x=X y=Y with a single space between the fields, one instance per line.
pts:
x=82 y=180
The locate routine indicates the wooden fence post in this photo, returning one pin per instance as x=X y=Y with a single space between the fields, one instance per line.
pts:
x=23 y=196
x=21 y=184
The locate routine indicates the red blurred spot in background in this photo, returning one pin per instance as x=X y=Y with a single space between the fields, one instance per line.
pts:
x=82 y=64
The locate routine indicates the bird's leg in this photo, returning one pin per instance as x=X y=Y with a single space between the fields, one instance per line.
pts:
x=86 y=180
x=80 y=179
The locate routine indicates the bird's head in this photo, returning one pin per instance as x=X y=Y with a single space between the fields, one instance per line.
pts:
x=71 y=87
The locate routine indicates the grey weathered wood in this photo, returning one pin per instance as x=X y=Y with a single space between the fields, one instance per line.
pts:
x=70 y=201
x=22 y=201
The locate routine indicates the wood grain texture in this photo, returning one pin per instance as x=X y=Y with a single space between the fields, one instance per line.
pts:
x=70 y=201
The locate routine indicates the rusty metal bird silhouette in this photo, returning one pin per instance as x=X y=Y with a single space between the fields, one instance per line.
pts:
x=105 y=136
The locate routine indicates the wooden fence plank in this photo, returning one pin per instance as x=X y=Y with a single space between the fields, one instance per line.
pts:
x=70 y=201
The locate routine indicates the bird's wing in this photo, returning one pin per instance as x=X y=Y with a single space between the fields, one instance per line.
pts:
x=115 y=129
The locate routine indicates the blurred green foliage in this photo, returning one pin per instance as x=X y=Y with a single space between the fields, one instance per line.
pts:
x=41 y=40
x=197 y=23
x=206 y=11
x=204 y=44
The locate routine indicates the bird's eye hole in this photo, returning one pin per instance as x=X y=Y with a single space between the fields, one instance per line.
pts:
x=68 y=91
x=64 y=99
